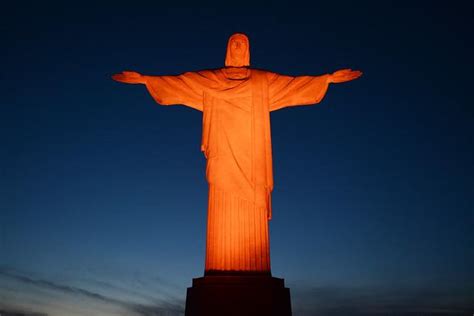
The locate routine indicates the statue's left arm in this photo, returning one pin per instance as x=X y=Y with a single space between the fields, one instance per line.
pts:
x=285 y=91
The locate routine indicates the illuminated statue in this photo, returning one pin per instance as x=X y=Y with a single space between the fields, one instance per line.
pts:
x=236 y=102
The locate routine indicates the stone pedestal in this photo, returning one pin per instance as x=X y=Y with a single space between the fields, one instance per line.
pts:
x=238 y=295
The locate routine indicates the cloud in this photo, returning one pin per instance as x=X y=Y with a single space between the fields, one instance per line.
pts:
x=338 y=301
x=157 y=308
x=125 y=299
x=147 y=310
x=4 y=312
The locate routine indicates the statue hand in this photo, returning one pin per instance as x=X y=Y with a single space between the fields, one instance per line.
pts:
x=129 y=77
x=344 y=75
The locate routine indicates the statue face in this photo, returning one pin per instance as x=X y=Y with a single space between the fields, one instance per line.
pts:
x=238 y=52
x=238 y=47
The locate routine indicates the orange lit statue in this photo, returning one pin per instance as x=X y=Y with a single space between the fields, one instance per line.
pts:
x=236 y=102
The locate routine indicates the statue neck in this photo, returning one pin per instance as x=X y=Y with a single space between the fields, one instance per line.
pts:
x=236 y=73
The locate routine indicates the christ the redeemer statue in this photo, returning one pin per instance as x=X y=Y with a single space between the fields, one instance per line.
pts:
x=236 y=102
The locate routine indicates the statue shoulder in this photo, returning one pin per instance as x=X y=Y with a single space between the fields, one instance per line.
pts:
x=211 y=74
x=269 y=75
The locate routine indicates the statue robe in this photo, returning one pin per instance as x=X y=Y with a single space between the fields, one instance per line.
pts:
x=236 y=140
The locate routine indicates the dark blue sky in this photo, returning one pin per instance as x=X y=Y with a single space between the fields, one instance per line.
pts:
x=103 y=192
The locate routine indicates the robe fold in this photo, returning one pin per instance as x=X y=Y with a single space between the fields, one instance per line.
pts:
x=236 y=141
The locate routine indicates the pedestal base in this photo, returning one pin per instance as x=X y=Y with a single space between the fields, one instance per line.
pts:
x=238 y=295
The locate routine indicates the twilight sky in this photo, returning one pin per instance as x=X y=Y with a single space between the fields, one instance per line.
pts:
x=103 y=192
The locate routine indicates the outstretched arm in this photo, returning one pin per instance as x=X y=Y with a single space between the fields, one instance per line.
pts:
x=285 y=91
x=130 y=77
x=344 y=75
x=187 y=88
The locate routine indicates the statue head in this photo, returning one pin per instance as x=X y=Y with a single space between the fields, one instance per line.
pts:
x=238 y=51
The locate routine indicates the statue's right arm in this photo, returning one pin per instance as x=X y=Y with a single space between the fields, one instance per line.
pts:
x=131 y=77
x=186 y=89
